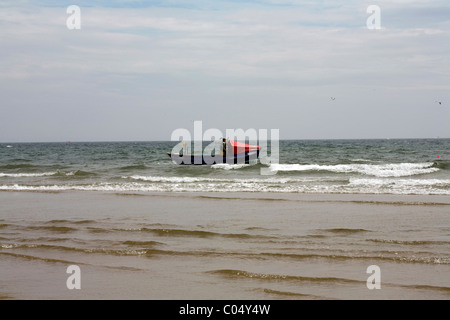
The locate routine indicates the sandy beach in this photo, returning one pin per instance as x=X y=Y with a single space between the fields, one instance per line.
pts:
x=223 y=245
x=225 y=150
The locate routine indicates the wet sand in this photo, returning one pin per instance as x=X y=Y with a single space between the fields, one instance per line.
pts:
x=223 y=245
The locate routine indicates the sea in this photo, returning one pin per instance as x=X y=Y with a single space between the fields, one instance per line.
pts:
x=331 y=220
x=406 y=166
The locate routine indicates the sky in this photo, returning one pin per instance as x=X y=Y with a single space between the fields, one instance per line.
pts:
x=138 y=70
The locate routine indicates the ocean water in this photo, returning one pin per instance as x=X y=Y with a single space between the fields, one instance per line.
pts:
x=409 y=166
x=223 y=246
x=140 y=227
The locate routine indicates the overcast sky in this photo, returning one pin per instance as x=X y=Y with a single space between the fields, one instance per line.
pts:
x=138 y=70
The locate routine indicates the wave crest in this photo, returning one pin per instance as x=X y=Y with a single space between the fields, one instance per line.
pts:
x=377 y=170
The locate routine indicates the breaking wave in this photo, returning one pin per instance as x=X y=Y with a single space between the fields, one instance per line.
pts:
x=75 y=173
x=377 y=170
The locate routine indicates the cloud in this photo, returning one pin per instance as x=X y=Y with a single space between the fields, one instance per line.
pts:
x=148 y=56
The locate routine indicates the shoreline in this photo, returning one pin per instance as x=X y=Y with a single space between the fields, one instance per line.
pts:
x=369 y=198
x=222 y=245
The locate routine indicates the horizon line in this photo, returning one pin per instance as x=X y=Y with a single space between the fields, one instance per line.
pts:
x=287 y=139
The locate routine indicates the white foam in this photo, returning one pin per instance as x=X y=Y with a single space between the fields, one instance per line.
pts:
x=20 y=175
x=227 y=166
x=414 y=182
x=367 y=186
x=401 y=186
x=172 y=179
x=401 y=182
x=377 y=170
x=263 y=180
x=41 y=174
x=361 y=160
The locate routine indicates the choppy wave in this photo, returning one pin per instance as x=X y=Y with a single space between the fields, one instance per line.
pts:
x=363 y=186
x=75 y=173
x=227 y=166
x=134 y=167
x=20 y=175
x=174 y=179
x=206 y=179
x=18 y=166
x=442 y=164
x=366 y=167
x=377 y=170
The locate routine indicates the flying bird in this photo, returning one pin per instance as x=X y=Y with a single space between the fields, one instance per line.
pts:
x=440 y=102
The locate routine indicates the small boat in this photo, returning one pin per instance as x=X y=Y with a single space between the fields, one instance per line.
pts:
x=232 y=152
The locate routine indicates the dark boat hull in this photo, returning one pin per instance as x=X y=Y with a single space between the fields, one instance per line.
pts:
x=241 y=158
